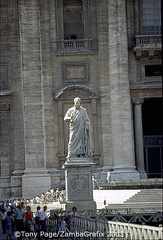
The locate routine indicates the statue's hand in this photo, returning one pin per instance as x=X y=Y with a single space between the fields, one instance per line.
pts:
x=72 y=117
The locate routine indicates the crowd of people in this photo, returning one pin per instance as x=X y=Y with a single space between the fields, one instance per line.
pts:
x=52 y=195
x=16 y=216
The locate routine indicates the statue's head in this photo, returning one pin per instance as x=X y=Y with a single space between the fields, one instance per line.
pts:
x=77 y=99
x=77 y=102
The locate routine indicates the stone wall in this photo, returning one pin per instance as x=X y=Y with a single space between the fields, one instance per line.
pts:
x=40 y=76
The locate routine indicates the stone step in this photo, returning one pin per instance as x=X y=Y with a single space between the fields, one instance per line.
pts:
x=146 y=195
x=136 y=205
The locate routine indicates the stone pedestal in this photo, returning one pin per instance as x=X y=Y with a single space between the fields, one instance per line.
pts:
x=35 y=181
x=79 y=189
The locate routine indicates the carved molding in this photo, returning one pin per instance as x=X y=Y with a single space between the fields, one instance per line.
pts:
x=138 y=101
x=142 y=91
x=71 y=91
x=75 y=72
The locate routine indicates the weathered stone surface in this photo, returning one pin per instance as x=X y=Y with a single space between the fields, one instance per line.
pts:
x=79 y=190
x=41 y=74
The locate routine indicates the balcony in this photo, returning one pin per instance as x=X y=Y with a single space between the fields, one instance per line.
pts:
x=75 y=46
x=148 y=47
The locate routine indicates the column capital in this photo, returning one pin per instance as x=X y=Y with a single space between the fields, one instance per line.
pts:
x=137 y=101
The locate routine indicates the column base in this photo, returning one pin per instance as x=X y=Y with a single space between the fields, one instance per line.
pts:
x=35 y=181
x=16 y=184
x=124 y=172
x=143 y=175
x=5 y=187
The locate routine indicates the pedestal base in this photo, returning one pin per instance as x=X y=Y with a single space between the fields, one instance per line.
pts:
x=79 y=189
x=124 y=172
x=89 y=206
x=35 y=181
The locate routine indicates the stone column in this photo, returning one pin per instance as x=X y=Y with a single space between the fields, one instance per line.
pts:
x=5 y=149
x=139 y=136
x=36 y=177
x=121 y=120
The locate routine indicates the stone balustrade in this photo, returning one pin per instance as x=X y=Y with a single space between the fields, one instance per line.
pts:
x=113 y=229
x=136 y=231
x=148 y=41
x=148 y=46
x=88 y=46
x=83 y=224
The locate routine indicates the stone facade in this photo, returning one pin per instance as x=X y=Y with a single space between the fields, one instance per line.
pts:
x=44 y=67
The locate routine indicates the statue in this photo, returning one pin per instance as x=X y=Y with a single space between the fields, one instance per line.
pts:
x=80 y=140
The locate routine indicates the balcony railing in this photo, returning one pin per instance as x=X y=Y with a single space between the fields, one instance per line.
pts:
x=148 y=46
x=80 y=46
x=148 y=42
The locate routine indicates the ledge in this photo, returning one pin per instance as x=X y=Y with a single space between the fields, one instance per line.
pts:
x=5 y=93
x=133 y=184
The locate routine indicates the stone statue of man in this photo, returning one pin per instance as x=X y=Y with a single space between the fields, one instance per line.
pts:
x=80 y=140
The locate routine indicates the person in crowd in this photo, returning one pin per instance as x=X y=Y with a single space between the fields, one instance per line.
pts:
x=72 y=214
x=57 y=194
x=47 y=196
x=43 y=218
x=7 y=207
x=37 y=199
x=42 y=198
x=63 y=227
x=37 y=221
x=9 y=225
x=51 y=194
x=29 y=222
x=3 y=216
x=19 y=217
x=62 y=195
x=94 y=182
x=109 y=177
x=2 y=206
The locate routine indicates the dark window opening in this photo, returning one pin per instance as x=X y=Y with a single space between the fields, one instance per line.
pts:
x=73 y=37
x=153 y=70
x=152 y=112
x=73 y=19
x=152 y=115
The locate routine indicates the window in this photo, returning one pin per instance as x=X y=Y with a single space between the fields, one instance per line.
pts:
x=153 y=70
x=73 y=19
x=151 y=17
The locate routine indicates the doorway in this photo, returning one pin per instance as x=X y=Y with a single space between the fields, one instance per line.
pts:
x=152 y=134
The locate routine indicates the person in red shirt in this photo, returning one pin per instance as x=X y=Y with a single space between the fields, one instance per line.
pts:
x=29 y=223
